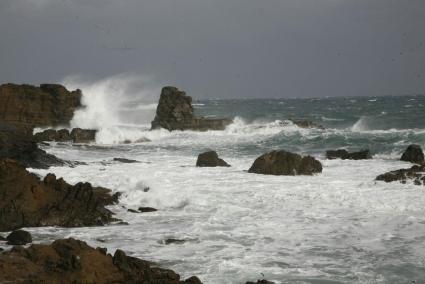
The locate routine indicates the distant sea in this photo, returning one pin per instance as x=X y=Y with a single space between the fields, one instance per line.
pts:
x=340 y=226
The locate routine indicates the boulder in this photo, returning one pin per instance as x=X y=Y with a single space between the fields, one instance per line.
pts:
x=73 y=261
x=18 y=238
x=415 y=173
x=345 y=155
x=175 y=112
x=20 y=145
x=285 y=163
x=210 y=159
x=26 y=106
x=79 y=135
x=413 y=154
x=28 y=202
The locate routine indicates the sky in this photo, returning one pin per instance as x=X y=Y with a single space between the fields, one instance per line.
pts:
x=221 y=48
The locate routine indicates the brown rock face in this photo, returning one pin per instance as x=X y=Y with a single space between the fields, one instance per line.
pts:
x=27 y=106
x=19 y=145
x=73 y=261
x=28 y=202
x=210 y=159
x=175 y=112
x=285 y=163
x=77 y=135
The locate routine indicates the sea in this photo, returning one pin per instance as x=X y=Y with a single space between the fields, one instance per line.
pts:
x=339 y=226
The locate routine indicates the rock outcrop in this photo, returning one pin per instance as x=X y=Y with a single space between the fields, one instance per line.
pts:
x=19 y=237
x=77 y=135
x=175 y=112
x=28 y=202
x=19 y=145
x=285 y=163
x=345 y=155
x=413 y=154
x=73 y=261
x=26 y=106
x=415 y=173
x=210 y=159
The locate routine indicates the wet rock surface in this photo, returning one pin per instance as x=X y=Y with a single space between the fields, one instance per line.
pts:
x=345 y=155
x=285 y=163
x=175 y=112
x=306 y=124
x=48 y=105
x=415 y=173
x=210 y=159
x=77 y=135
x=19 y=237
x=125 y=161
x=260 y=282
x=28 y=202
x=73 y=261
x=19 y=145
x=413 y=154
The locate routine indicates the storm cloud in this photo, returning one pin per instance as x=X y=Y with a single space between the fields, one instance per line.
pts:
x=221 y=48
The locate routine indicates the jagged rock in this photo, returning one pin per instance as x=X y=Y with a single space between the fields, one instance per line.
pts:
x=28 y=202
x=413 y=154
x=147 y=209
x=19 y=237
x=285 y=163
x=19 y=145
x=79 y=135
x=306 y=124
x=345 y=155
x=175 y=112
x=26 y=106
x=415 y=173
x=73 y=261
x=210 y=159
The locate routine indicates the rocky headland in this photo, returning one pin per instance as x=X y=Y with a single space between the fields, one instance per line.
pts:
x=175 y=112
x=48 y=105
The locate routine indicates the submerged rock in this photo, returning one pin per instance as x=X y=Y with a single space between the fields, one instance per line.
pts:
x=345 y=155
x=175 y=112
x=210 y=159
x=147 y=209
x=306 y=124
x=285 y=163
x=415 y=173
x=260 y=282
x=19 y=145
x=73 y=261
x=28 y=202
x=413 y=154
x=125 y=161
x=19 y=237
x=26 y=106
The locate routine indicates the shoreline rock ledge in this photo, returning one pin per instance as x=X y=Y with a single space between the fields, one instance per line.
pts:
x=175 y=112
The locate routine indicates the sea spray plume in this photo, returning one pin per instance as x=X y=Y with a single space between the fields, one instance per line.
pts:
x=360 y=125
x=117 y=106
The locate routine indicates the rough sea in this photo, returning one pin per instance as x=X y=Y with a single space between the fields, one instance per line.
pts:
x=340 y=226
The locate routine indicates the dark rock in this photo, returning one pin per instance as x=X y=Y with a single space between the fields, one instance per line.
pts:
x=345 y=155
x=415 y=173
x=147 y=209
x=173 y=241
x=132 y=211
x=126 y=161
x=79 y=135
x=26 y=106
x=413 y=154
x=285 y=163
x=175 y=112
x=2 y=238
x=210 y=159
x=19 y=145
x=260 y=282
x=73 y=261
x=18 y=238
x=28 y=202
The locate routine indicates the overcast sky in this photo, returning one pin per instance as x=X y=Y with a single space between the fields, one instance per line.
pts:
x=221 y=48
